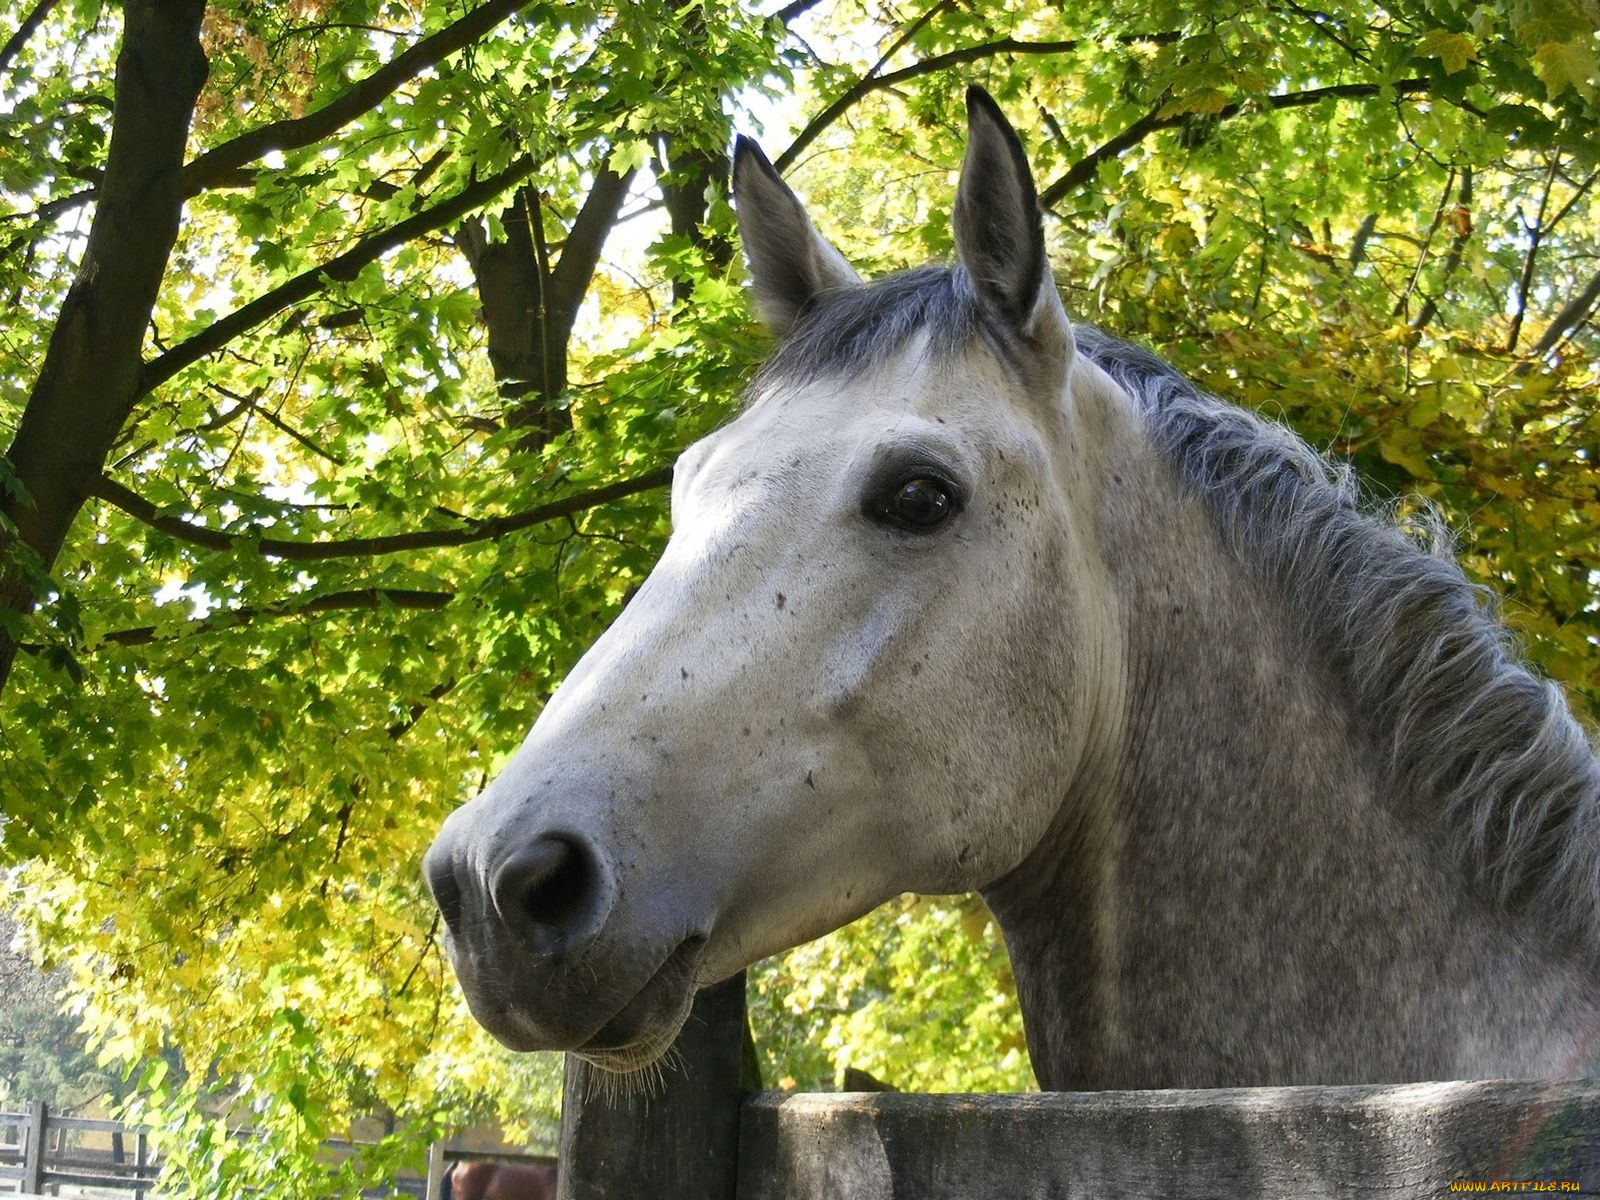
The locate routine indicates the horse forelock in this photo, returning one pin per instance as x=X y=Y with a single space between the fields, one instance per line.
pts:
x=849 y=332
x=1470 y=738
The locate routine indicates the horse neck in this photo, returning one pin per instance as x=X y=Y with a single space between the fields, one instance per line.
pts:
x=1224 y=897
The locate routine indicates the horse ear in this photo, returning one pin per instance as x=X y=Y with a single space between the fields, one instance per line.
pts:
x=999 y=231
x=790 y=262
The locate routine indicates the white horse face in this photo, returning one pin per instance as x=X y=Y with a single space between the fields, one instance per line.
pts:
x=855 y=670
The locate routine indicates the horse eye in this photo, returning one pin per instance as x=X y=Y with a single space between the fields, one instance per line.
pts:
x=921 y=503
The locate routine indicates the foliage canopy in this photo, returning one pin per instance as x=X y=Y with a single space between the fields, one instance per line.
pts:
x=349 y=342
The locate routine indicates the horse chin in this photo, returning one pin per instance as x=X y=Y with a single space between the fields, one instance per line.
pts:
x=648 y=1046
x=644 y=1028
x=639 y=1056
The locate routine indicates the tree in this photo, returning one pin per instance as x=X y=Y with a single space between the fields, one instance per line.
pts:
x=41 y=1055
x=350 y=342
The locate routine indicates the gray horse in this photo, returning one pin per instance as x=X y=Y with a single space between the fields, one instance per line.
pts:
x=967 y=598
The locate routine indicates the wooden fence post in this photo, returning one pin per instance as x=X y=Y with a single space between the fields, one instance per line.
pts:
x=682 y=1143
x=33 y=1157
x=436 y=1166
x=141 y=1159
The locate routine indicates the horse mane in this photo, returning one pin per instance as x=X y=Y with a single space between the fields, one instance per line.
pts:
x=1474 y=745
x=1472 y=741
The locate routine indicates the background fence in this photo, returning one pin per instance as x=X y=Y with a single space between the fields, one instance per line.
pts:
x=45 y=1154
x=88 y=1156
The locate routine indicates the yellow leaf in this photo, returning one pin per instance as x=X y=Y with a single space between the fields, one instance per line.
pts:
x=1508 y=487
x=1424 y=412
x=1205 y=101
x=1454 y=50
x=630 y=156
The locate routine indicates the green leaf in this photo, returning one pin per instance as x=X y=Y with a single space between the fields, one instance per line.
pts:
x=630 y=156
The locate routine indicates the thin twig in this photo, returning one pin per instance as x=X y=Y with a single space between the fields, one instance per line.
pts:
x=1084 y=169
x=1404 y=302
x=1453 y=257
x=136 y=506
x=354 y=600
x=427 y=945
x=871 y=83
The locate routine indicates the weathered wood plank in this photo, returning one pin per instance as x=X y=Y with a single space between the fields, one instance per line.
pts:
x=1399 y=1142
x=33 y=1155
x=679 y=1143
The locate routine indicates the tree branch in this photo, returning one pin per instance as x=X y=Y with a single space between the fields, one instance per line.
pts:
x=216 y=164
x=17 y=40
x=379 y=189
x=1536 y=232
x=794 y=9
x=1323 y=24
x=360 y=598
x=51 y=209
x=1572 y=314
x=581 y=253
x=136 y=506
x=343 y=267
x=1084 y=169
x=1452 y=258
x=870 y=83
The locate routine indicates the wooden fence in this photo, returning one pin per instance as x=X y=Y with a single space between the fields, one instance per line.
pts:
x=43 y=1153
x=39 y=1149
x=707 y=1136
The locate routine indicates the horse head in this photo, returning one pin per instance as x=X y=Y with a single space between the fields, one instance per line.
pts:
x=875 y=645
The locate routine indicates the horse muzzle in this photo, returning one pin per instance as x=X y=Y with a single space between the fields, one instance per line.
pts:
x=552 y=952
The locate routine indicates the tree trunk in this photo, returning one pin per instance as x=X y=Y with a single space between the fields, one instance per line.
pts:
x=528 y=356
x=90 y=379
x=529 y=306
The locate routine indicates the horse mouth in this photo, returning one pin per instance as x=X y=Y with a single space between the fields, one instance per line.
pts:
x=644 y=1028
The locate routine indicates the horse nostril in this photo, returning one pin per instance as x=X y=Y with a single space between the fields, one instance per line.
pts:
x=440 y=873
x=552 y=884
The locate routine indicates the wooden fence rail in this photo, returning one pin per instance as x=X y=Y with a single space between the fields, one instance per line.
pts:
x=1403 y=1142
x=1313 y=1143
